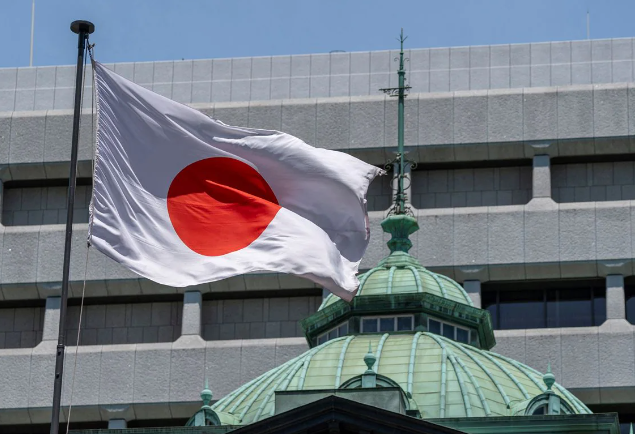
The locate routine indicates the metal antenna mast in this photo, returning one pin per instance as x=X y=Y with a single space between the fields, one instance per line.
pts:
x=399 y=206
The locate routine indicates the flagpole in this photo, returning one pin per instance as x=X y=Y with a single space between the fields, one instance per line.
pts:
x=82 y=29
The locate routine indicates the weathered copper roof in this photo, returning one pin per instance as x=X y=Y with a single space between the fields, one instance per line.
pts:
x=445 y=378
x=400 y=273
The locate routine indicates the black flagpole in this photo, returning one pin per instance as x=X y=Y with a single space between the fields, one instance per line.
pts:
x=83 y=29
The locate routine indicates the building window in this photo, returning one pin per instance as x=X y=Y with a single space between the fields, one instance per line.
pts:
x=384 y=324
x=529 y=305
x=336 y=332
x=629 y=295
x=449 y=331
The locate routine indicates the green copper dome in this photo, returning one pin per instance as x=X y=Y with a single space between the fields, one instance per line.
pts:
x=400 y=273
x=444 y=378
x=441 y=377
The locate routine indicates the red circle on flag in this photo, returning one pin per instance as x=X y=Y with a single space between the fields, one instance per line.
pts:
x=220 y=205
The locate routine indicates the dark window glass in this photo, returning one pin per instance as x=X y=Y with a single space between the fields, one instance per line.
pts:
x=553 y=313
x=575 y=308
x=462 y=335
x=629 y=293
x=556 y=304
x=369 y=325
x=404 y=323
x=434 y=327
x=321 y=339
x=489 y=303
x=540 y=410
x=521 y=309
x=448 y=331
x=599 y=306
x=343 y=329
x=332 y=334
x=387 y=324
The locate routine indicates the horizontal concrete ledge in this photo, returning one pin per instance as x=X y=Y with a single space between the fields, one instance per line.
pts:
x=146 y=381
x=441 y=127
x=426 y=156
x=540 y=240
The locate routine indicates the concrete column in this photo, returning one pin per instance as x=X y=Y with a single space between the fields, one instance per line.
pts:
x=473 y=289
x=541 y=177
x=117 y=424
x=615 y=302
x=51 y=327
x=192 y=308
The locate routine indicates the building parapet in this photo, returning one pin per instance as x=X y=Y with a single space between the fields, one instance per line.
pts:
x=338 y=74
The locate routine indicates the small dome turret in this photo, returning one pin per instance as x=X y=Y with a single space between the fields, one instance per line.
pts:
x=400 y=287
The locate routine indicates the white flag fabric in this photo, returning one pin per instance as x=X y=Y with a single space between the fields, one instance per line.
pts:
x=183 y=199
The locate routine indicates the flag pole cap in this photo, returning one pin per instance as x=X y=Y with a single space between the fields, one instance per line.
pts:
x=82 y=26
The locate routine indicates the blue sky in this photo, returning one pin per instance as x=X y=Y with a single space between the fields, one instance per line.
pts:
x=141 y=30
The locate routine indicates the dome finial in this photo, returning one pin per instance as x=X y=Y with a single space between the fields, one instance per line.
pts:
x=549 y=378
x=370 y=359
x=631 y=429
x=206 y=394
x=400 y=227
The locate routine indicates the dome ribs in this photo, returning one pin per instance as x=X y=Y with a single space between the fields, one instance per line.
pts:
x=391 y=274
x=459 y=287
x=467 y=381
x=509 y=374
x=250 y=390
x=485 y=370
x=290 y=376
x=380 y=346
x=477 y=387
x=286 y=380
x=340 y=364
x=440 y=284
x=415 y=272
x=247 y=407
x=224 y=402
x=457 y=372
x=564 y=392
x=539 y=384
x=307 y=362
x=411 y=365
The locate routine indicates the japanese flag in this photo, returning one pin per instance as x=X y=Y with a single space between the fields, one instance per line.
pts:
x=183 y=199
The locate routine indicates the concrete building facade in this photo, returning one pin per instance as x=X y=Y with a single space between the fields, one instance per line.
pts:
x=524 y=192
